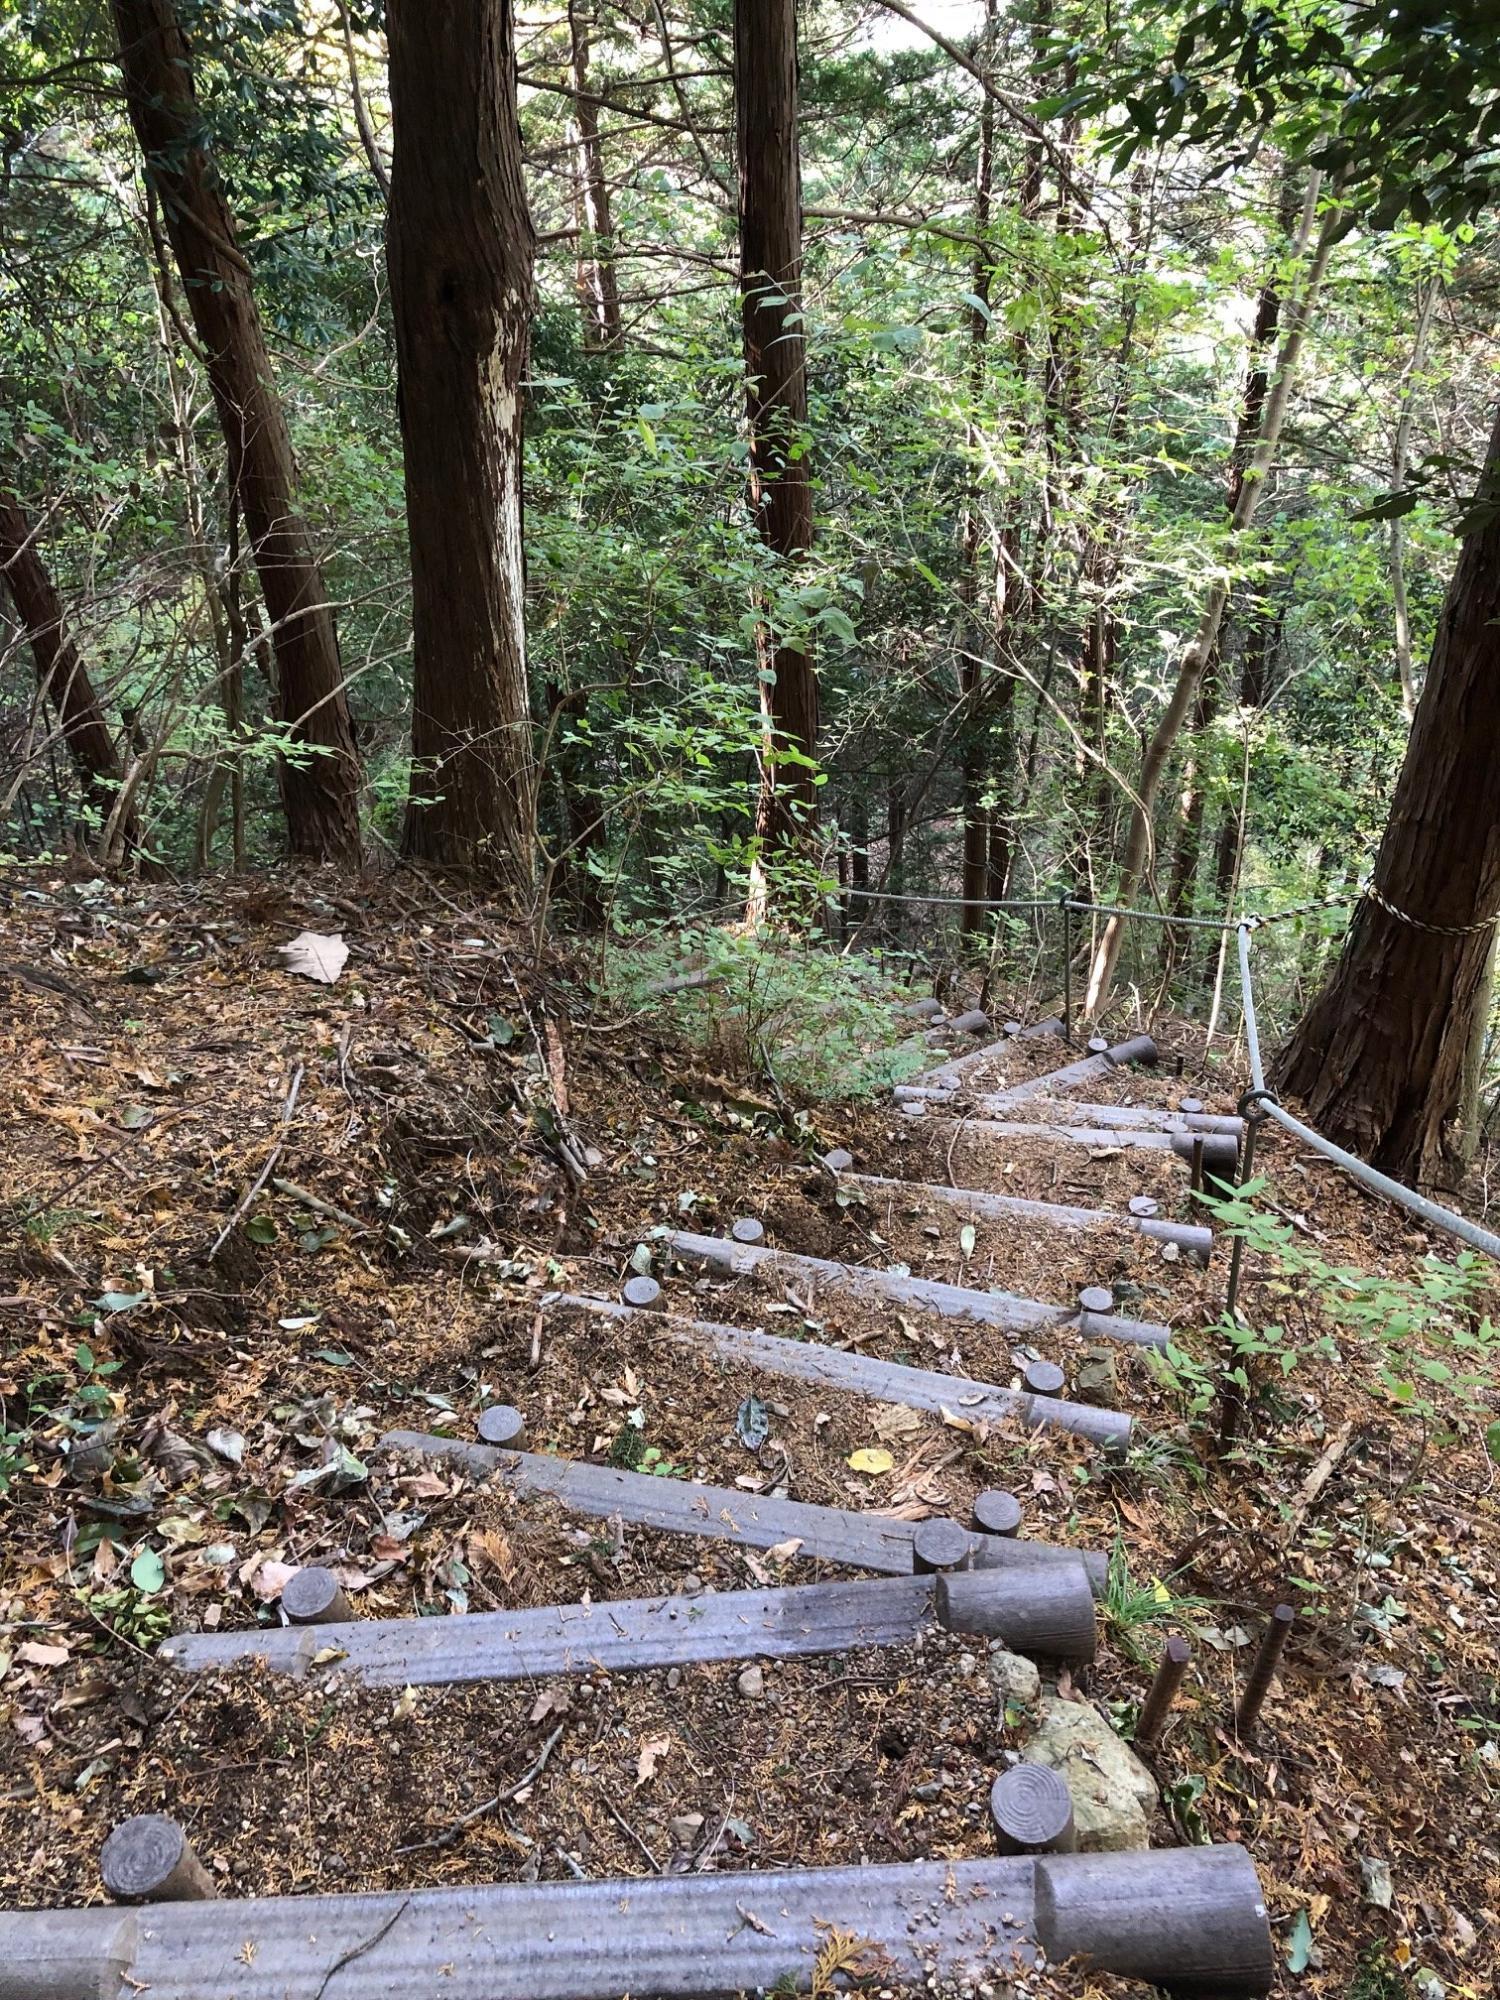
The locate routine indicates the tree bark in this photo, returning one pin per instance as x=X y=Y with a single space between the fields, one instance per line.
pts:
x=1379 y=1058
x=598 y=285
x=320 y=789
x=770 y=184
x=1400 y=462
x=460 y=248
x=1159 y=747
x=62 y=678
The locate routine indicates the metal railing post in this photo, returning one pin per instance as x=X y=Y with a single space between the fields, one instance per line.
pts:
x=1066 y=900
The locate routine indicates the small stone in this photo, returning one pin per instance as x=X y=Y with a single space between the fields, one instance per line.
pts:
x=1171 y=1253
x=918 y=1110
x=674 y=1677
x=1098 y=1380
x=1013 y=1678
x=839 y=1161
x=685 y=1828
x=968 y=1666
x=752 y=1683
x=692 y=1584
x=1113 y=1792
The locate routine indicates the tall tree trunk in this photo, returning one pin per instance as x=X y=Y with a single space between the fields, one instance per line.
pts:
x=770 y=178
x=1379 y=1058
x=460 y=250
x=975 y=761
x=320 y=790
x=598 y=284
x=1400 y=461
x=61 y=675
x=1195 y=659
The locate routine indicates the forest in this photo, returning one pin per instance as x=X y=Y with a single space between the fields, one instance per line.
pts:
x=592 y=596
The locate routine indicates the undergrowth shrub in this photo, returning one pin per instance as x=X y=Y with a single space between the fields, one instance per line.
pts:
x=789 y=1010
x=1421 y=1344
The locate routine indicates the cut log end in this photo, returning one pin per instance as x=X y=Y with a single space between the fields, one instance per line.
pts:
x=1032 y=1812
x=314 y=1596
x=149 y=1859
x=940 y=1545
x=997 y=1513
x=1043 y=1608
x=1044 y=1378
x=747 y=1229
x=502 y=1424
x=644 y=1294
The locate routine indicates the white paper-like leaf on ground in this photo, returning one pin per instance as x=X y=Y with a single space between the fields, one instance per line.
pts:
x=316 y=955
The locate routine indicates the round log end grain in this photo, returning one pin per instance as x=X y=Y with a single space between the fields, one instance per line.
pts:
x=1044 y=1378
x=502 y=1424
x=939 y=1545
x=748 y=1229
x=642 y=1293
x=1032 y=1811
x=314 y=1596
x=997 y=1513
x=150 y=1860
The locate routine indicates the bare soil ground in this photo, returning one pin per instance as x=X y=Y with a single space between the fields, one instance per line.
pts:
x=182 y=1418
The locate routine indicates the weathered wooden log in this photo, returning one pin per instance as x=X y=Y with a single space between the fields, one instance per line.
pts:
x=926 y=1009
x=975 y=1022
x=314 y=1596
x=864 y=1375
x=1189 y=1919
x=1005 y=1309
x=996 y=1513
x=1130 y=1117
x=1191 y=1240
x=1087 y=1069
x=1220 y=1152
x=1031 y=1810
x=502 y=1424
x=1056 y=1619
x=1043 y=1378
x=1046 y=1609
x=941 y=1545
x=877 y=1542
x=954 y=1072
x=150 y=1859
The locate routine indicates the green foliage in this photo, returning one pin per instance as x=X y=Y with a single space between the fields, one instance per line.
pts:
x=792 y=1010
x=1417 y=1344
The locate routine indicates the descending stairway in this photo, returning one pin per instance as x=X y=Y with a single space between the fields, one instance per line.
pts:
x=1191 y=1921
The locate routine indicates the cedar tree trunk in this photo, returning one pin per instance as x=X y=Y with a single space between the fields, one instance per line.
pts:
x=765 y=96
x=1379 y=1058
x=61 y=675
x=320 y=792
x=460 y=247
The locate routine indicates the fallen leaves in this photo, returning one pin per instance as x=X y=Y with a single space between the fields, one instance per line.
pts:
x=871 y=1460
x=316 y=955
x=651 y=1753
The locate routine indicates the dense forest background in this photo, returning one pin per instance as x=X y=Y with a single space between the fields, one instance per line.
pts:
x=1139 y=388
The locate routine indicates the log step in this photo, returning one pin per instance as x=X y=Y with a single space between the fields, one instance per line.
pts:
x=863 y=1375
x=1220 y=1152
x=876 y=1542
x=1190 y=1918
x=1088 y=1069
x=1192 y=1240
x=1130 y=1117
x=954 y=1072
x=1003 y=1309
x=1046 y=1610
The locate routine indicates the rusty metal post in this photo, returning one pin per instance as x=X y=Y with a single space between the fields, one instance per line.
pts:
x=1163 y=1692
x=1067 y=915
x=1232 y=1396
x=1195 y=1181
x=1263 y=1673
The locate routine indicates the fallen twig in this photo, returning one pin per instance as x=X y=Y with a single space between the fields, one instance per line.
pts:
x=528 y=1777
x=242 y=1206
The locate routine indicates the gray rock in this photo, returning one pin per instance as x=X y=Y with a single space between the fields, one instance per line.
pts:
x=1112 y=1791
x=1097 y=1379
x=752 y=1682
x=1375 y=1875
x=1014 y=1679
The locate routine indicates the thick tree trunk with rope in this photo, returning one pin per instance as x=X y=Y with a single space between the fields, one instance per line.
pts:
x=62 y=679
x=1195 y=660
x=459 y=247
x=770 y=180
x=320 y=794
x=1379 y=1059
